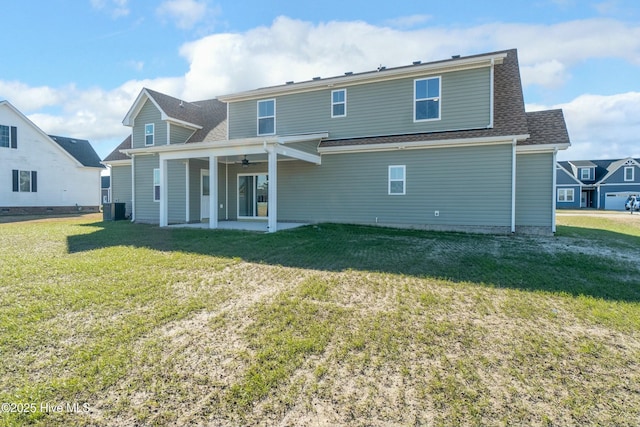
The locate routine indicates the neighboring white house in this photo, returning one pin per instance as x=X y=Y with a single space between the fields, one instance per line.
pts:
x=40 y=173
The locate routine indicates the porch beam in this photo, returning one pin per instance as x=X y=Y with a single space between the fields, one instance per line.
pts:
x=272 y=217
x=213 y=191
x=164 y=184
x=298 y=154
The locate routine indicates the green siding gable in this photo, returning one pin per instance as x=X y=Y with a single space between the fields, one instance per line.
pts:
x=179 y=134
x=379 y=108
x=148 y=114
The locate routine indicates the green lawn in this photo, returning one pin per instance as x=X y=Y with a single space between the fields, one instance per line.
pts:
x=126 y=324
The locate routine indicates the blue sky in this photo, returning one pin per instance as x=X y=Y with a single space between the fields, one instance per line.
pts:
x=75 y=67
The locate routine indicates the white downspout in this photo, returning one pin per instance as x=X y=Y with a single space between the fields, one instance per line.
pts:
x=133 y=187
x=491 y=96
x=513 y=186
x=553 y=195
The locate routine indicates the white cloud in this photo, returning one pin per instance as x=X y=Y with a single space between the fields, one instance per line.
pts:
x=185 y=13
x=297 y=50
x=602 y=127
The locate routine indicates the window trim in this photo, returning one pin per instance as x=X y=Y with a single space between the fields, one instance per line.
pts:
x=582 y=171
x=403 y=180
x=633 y=173
x=16 y=181
x=258 y=117
x=438 y=98
x=334 y=103
x=152 y=134
x=566 y=192
x=12 y=142
x=156 y=183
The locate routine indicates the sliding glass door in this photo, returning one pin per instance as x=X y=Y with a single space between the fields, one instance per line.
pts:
x=253 y=195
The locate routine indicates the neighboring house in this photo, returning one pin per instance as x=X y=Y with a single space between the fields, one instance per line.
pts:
x=598 y=184
x=44 y=173
x=442 y=145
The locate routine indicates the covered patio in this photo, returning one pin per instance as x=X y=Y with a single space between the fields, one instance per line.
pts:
x=270 y=150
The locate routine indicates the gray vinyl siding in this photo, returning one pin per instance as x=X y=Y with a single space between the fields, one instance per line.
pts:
x=149 y=114
x=121 y=186
x=177 y=180
x=195 y=166
x=534 y=190
x=353 y=188
x=179 y=134
x=379 y=108
x=147 y=210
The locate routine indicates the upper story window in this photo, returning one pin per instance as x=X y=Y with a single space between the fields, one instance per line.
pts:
x=267 y=117
x=628 y=173
x=397 y=180
x=149 y=132
x=8 y=136
x=339 y=103
x=427 y=99
x=585 y=173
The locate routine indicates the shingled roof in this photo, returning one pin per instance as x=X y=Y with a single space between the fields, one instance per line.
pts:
x=546 y=127
x=80 y=149
x=116 y=155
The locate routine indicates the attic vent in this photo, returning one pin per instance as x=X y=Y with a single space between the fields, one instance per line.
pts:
x=455 y=57
x=316 y=78
x=417 y=62
x=290 y=82
x=348 y=73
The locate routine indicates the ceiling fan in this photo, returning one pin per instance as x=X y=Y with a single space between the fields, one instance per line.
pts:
x=245 y=162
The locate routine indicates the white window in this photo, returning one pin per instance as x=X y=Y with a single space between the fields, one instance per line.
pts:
x=565 y=194
x=25 y=181
x=628 y=173
x=397 y=180
x=339 y=103
x=426 y=105
x=8 y=136
x=267 y=117
x=156 y=185
x=585 y=173
x=148 y=134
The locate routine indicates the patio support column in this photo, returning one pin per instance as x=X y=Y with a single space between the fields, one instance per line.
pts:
x=213 y=191
x=164 y=184
x=272 y=221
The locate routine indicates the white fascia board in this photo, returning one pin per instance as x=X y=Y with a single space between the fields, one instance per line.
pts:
x=445 y=143
x=303 y=137
x=300 y=155
x=182 y=123
x=369 y=77
x=136 y=107
x=123 y=162
x=540 y=148
x=244 y=142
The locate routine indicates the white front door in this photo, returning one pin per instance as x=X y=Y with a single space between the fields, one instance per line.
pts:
x=204 y=194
